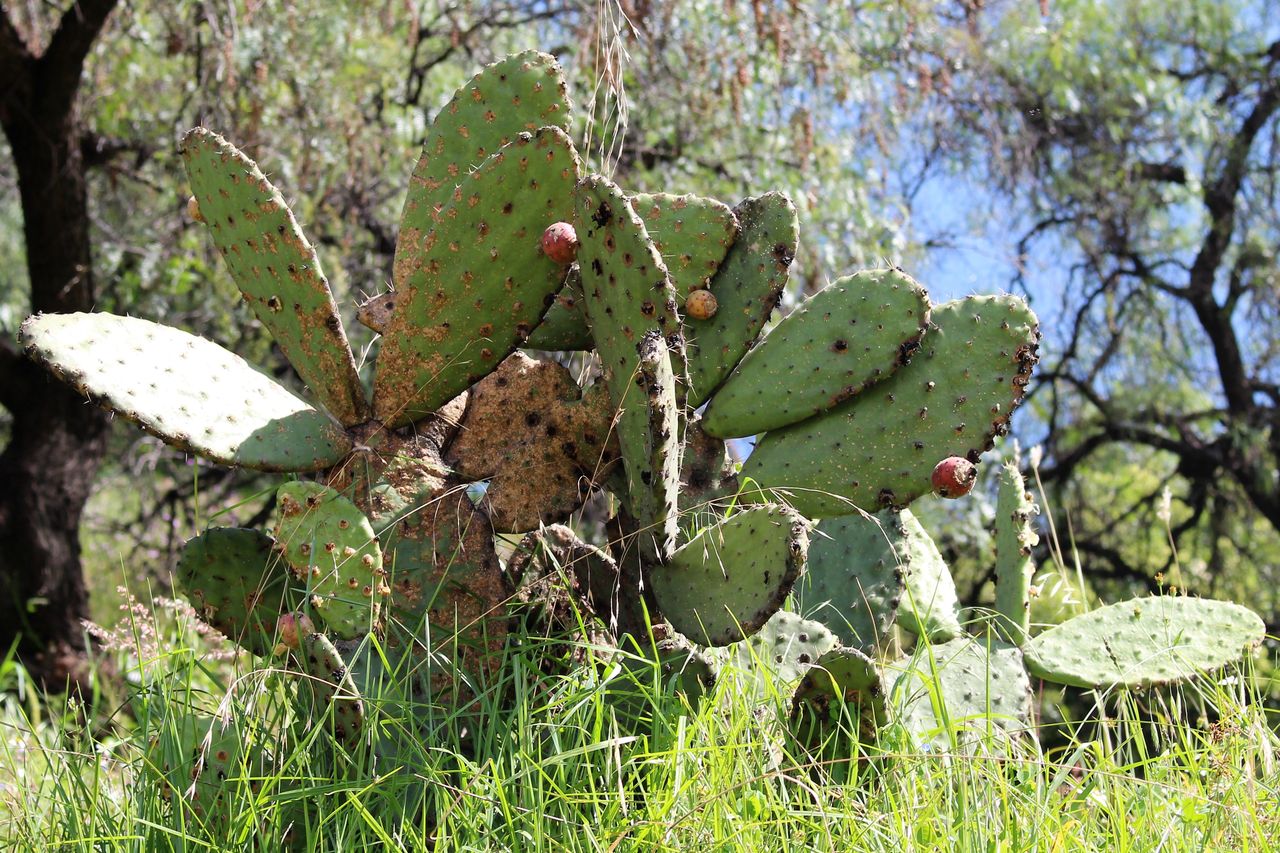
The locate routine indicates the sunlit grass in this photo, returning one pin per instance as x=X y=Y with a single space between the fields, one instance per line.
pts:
x=612 y=758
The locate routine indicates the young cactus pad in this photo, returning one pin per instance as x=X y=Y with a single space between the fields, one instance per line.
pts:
x=841 y=678
x=1014 y=567
x=328 y=684
x=879 y=449
x=190 y=392
x=1144 y=642
x=727 y=581
x=276 y=269
x=854 y=332
x=930 y=607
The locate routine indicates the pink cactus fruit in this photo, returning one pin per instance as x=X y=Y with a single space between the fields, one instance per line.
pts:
x=560 y=243
x=954 y=477
x=292 y=628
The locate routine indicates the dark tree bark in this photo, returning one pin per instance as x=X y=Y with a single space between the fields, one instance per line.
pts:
x=58 y=440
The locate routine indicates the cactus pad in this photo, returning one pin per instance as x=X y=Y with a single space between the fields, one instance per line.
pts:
x=480 y=282
x=692 y=234
x=853 y=581
x=328 y=684
x=879 y=449
x=726 y=582
x=1144 y=642
x=332 y=549
x=929 y=607
x=234 y=580
x=853 y=333
x=199 y=760
x=518 y=94
x=190 y=392
x=1014 y=568
x=966 y=690
x=747 y=287
x=775 y=658
x=631 y=307
x=541 y=471
x=844 y=680
x=276 y=269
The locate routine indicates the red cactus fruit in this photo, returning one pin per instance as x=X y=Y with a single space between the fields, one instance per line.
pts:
x=701 y=305
x=560 y=242
x=954 y=477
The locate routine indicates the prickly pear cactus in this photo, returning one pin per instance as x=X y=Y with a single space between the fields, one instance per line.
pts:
x=859 y=394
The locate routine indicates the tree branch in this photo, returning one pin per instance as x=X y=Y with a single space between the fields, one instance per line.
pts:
x=60 y=67
x=14 y=56
x=1220 y=202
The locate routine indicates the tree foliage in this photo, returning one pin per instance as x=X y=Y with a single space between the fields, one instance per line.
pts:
x=1133 y=147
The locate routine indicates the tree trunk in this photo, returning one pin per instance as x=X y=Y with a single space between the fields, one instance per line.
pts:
x=58 y=440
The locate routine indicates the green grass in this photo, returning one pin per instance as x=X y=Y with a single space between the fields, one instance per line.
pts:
x=612 y=758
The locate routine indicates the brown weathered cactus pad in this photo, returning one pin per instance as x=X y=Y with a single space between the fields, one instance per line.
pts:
x=529 y=431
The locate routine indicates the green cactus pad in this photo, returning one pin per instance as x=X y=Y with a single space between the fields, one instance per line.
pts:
x=774 y=659
x=276 y=269
x=1144 y=642
x=565 y=326
x=929 y=607
x=726 y=582
x=747 y=288
x=844 y=680
x=966 y=690
x=332 y=549
x=641 y=668
x=237 y=584
x=518 y=94
x=692 y=234
x=189 y=392
x=1014 y=568
x=631 y=306
x=542 y=471
x=879 y=449
x=198 y=761
x=479 y=282
x=328 y=684
x=853 y=333
x=854 y=581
